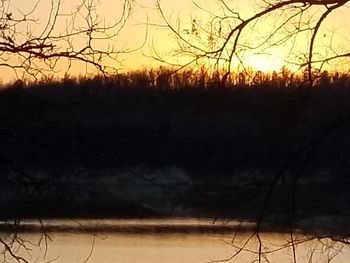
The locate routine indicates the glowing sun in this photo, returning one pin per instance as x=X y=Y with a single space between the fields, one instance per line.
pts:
x=265 y=63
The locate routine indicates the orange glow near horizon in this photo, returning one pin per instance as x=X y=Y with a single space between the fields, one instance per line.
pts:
x=161 y=41
x=264 y=63
x=331 y=39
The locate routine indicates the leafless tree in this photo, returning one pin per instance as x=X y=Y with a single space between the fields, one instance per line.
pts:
x=41 y=38
x=226 y=34
x=44 y=37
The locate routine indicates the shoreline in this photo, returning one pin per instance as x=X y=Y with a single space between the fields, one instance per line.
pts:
x=159 y=226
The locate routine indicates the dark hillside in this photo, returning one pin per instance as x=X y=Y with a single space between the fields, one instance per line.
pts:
x=229 y=143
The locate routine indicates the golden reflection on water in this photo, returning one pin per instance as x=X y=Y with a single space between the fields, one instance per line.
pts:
x=147 y=247
x=137 y=248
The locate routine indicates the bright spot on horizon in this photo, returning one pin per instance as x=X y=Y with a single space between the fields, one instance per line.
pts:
x=153 y=44
x=264 y=63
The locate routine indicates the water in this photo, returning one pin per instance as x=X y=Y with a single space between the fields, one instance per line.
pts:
x=164 y=241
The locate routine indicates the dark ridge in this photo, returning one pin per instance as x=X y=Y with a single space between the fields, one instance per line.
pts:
x=125 y=148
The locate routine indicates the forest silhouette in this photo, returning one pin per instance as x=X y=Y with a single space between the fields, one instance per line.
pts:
x=63 y=142
x=269 y=150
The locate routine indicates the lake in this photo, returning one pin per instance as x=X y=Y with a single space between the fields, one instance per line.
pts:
x=164 y=241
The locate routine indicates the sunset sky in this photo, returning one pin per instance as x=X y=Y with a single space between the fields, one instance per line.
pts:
x=145 y=28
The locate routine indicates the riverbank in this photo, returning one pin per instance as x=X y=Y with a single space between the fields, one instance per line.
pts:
x=174 y=226
x=90 y=150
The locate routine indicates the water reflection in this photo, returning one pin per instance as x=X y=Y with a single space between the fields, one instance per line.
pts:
x=155 y=246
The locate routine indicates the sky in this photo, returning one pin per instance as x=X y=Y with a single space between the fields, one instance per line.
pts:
x=146 y=33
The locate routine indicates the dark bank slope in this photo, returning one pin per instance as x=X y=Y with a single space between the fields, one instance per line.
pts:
x=93 y=149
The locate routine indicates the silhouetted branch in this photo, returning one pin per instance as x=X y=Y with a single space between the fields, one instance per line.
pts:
x=223 y=37
x=33 y=49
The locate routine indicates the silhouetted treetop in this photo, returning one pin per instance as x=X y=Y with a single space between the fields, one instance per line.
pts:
x=227 y=35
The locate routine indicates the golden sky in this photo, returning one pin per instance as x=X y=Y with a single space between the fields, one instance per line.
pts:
x=146 y=23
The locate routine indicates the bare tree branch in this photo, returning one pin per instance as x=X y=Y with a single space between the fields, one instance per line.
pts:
x=68 y=37
x=229 y=30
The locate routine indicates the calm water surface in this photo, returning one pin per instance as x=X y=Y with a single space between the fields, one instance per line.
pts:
x=168 y=241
